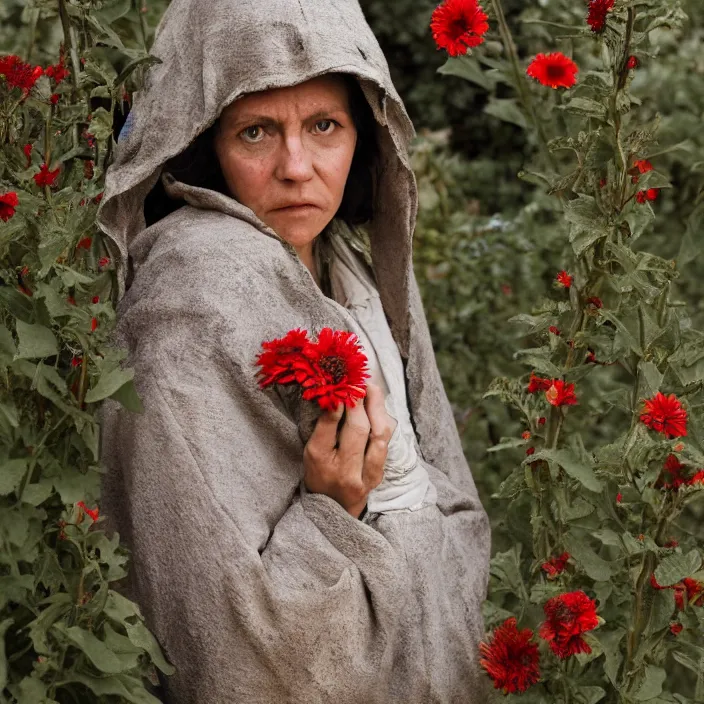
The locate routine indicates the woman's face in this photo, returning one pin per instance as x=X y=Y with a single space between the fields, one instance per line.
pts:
x=286 y=153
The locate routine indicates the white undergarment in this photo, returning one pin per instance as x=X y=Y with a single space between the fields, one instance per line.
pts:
x=406 y=485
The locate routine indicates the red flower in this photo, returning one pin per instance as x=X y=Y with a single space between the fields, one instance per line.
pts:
x=554 y=330
x=602 y=182
x=27 y=149
x=457 y=25
x=676 y=628
x=76 y=361
x=569 y=615
x=695 y=591
x=538 y=383
x=84 y=243
x=541 y=420
x=99 y=197
x=564 y=279
x=555 y=70
x=103 y=262
x=526 y=435
x=46 y=177
x=665 y=415
x=698 y=478
x=598 y=9
x=8 y=203
x=286 y=360
x=561 y=394
x=96 y=299
x=58 y=72
x=619 y=497
x=671 y=476
x=632 y=63
x=643 y=166
x=341 y=370
x=671 y=544
x=595 y=301
x=511 y=658
x=93 y=324
x=530 y=451
x=555 y=565
x=18 y=74
x=54 y=99
x=93 y=513
x=71 y=300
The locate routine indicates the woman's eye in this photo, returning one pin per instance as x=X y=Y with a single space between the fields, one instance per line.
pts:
x=253 y=133
x=327 y=125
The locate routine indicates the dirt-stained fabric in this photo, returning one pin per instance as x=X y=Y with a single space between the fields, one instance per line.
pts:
x=258 y=591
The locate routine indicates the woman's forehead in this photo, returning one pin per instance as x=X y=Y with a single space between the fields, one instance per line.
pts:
x=327 y=92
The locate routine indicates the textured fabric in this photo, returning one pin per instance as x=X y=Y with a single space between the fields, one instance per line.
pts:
x=406 y=485
x=258 y=591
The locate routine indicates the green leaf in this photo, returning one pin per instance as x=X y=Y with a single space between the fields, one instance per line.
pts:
x=11 y=472
x=675 y=568
x=585 y=107
x=590 y=695
x=129 y=398
x=37 y=492
x=94 y=648
x=593 y=565
x=35 y=341
x=610 y=643
x=575 y=468
x=109 y=383
x=118 y=608
x=650 y=379
x=506 y=567
x=506 y=110
x=467 y=67
x=7 y=345
x=662 y=608
x=140 y=635
x=651 y=684
x=4 y=625
x=127 y=687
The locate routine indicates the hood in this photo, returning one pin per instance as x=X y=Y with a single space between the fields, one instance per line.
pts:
x=214 y=51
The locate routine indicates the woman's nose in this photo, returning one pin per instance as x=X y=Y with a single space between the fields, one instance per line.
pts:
x=295 y=162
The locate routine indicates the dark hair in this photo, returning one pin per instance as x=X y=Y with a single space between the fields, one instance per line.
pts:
x=198 y=165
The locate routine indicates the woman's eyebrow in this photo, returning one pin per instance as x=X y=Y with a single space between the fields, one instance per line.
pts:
x=266 y=120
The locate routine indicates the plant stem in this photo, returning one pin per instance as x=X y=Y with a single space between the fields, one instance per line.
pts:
x=521 y=84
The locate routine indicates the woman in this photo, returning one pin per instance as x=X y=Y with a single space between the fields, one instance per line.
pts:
x=274 y=559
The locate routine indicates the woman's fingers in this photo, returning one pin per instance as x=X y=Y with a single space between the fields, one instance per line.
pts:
x=324 y=435
x=379 y=437
x=355 y=431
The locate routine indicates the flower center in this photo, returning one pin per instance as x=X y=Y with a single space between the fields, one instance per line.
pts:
x=458 y=27
x=334 y=367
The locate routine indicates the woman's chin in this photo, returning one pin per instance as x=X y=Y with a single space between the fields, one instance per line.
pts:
x=301 y=233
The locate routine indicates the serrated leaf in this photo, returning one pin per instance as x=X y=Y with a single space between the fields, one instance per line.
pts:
x=593 y=565
x=109 y=383
x=507 y=110
x=651 y=685
x=467 y=67
x=674 y=568
x=575 y=468
x=585 y=107
x=140 y=635
x=95 y=649
x=11 y=472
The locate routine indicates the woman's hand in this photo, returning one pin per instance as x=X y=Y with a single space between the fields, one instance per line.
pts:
x=348 y=472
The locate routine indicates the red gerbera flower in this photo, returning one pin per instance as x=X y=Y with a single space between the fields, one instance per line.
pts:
x=27 y=149
x=564 y=279
x=554 y=330
x=93 y=324
x=632 y=63
x=676 y=628
x=595 y=301
x=46 y=177
x=93 y=513
x=568 y=617
x=643 y=166
x=511 y=658
x=665 y=415
x=671 y=476
x=555 y=70
x=58 y=72
x=541 y=420
x=341 y=370
x=561 y=394
x=598 y=9
x=698 y=478
x=286 y=360
x=694 y=590
x=457 y=25
x=538 y=383
x=103 y=262
x=8 y=203
x=555 y=565
x=19 y=74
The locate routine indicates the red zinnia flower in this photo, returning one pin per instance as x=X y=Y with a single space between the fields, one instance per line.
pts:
x=511 y=658
x=554 y=330
x=555 y=70
x=286 y=360
x=54 y=98
x=665 y=415
x=103 y=262
x=568 y=617
x=526 y=434
x=695 y=591
x=341 y=370
x=671 y=476
x=643 y=165
x=93 y=513
x=698 y=478
x=538 y=383
x=8 y=203
x=93 y=324
x=632 y=63
x=561 y=394
x=555 y=565
x=619 y=497
x=530 y=451
x=19 y=74
x=27 y=149
x=541 y=420
x=598 y=9
x=564 y=279
x=676 y=628
x=84 y=243
x=46 y=177
x=58 y=72
x=457 y=25
x=595 y=301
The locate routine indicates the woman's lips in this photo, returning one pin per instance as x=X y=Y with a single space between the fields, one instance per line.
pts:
x=297 y=208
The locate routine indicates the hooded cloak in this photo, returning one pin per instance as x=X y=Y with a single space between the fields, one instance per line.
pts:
x=257 y=590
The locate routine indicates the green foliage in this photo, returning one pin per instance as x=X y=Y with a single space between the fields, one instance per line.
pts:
x=68 y=633
x=592 y=481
